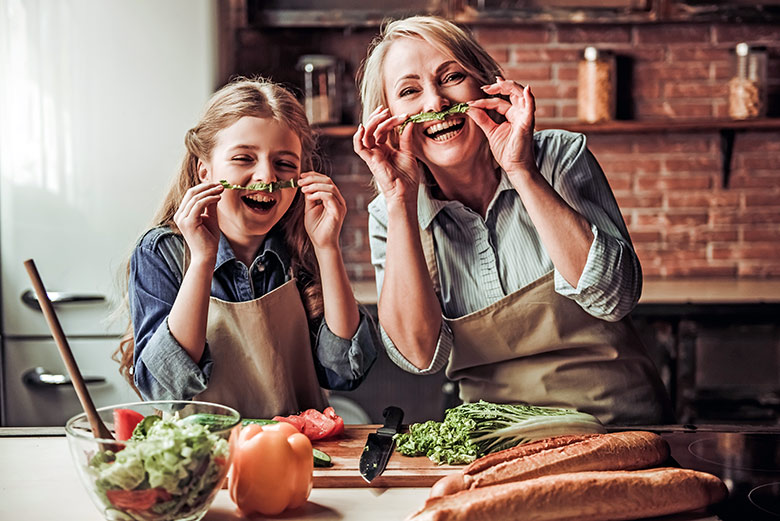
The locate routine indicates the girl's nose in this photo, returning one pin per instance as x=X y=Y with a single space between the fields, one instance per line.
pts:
x=264 y=172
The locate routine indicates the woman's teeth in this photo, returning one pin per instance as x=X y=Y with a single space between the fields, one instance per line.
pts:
x=444 y=130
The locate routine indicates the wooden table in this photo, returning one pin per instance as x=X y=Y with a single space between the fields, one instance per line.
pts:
x=39 y=482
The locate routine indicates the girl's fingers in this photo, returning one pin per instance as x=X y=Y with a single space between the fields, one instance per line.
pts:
x=199 y=205
x=331 y=203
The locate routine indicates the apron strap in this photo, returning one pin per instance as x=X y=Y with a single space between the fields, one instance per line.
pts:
x=429 y=251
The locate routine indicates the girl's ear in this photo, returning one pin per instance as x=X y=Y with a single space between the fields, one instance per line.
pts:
x=203 y=170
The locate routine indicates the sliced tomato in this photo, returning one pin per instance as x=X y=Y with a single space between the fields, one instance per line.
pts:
x=331 y=413
x=125 y=421
x=138 y=500
x=295 y=420
x=317 y=425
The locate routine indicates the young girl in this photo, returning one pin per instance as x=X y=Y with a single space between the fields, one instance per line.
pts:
x=227 y=295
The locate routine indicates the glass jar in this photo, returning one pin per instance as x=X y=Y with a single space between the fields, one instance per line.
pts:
x=596 y=86
x=321 y=88
x=747 y=89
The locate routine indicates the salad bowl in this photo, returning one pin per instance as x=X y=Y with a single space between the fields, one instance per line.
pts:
x=168 y=462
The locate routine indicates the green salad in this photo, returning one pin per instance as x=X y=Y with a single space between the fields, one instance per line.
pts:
x=168 y=470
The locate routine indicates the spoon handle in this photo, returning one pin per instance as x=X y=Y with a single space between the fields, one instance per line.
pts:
x=99 y=429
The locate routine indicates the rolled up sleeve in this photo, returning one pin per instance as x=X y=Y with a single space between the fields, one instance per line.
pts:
x=611 y=282
x=343 y=363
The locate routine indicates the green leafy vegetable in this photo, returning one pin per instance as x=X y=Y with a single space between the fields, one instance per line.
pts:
x=471 y=430
x=458 y=108
x=261 y=187
x=178 y=464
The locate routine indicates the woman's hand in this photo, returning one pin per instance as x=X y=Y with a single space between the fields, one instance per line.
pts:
x=395 y=169
x=197 y=220
x=511 y=141
x=324 y=210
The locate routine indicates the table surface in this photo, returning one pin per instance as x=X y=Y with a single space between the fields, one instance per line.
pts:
x=39 y=482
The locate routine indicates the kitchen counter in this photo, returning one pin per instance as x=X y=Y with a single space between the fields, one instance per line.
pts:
x=39 y=478
x=669 y=291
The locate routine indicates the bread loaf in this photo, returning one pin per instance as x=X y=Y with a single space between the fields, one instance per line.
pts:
x=581 y=496
x=615 y=451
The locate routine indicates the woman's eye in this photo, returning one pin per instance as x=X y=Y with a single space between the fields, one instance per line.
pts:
x=406 y=92
x=453 y=77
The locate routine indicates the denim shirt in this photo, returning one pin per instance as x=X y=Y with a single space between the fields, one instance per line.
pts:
x=163 y=369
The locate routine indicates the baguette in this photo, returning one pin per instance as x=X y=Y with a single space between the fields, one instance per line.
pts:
x=616 y=451
x=581 y=496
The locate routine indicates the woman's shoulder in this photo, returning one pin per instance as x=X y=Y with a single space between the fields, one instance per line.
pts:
x=164 y=242
x=559 y=139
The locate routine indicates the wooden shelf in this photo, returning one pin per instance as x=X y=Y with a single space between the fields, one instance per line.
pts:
x=620 y=127
x=727 y=128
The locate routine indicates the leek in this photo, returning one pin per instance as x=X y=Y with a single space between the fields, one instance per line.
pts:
x=471 y=430
x=458 y=108
x=261 y=187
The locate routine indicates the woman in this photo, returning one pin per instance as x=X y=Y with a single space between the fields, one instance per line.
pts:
x=498 y=251
x=225 y=292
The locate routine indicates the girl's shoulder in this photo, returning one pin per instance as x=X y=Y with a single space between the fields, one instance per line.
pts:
x=163 y=242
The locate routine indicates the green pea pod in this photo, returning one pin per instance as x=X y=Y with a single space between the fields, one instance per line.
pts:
x=458 y=108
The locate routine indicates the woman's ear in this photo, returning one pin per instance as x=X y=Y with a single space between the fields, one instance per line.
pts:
x=203 y=170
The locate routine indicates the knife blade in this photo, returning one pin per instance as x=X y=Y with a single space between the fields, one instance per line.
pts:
x=379 y=445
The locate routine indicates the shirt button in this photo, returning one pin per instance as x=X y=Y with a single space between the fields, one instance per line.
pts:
x=260 y=267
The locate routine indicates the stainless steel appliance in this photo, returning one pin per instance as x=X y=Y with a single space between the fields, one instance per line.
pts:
x=96 y=98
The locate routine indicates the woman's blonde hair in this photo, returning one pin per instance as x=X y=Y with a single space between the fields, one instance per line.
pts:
x=442 y=34
x=242 y=97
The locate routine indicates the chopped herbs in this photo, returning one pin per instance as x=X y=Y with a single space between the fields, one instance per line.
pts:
x=261 y=187
x=471 y=430
x=458 y=108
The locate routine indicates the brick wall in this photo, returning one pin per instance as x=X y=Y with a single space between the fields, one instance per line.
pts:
x=682 y=220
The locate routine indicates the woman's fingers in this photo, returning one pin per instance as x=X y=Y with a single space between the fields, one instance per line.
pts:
x=383 y=129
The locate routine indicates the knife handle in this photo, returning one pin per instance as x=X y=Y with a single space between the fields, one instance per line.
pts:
x=393 y=418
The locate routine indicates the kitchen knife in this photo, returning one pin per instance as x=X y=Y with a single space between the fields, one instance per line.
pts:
x=379 y=445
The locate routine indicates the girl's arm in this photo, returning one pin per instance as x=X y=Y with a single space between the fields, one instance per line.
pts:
x=197 y=221
x=323 y=217
x=409 y=310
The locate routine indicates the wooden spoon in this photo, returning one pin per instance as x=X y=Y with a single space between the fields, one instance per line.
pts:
x=99 y=429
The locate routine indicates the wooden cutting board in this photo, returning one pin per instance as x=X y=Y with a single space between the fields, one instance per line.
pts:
x=401 y=471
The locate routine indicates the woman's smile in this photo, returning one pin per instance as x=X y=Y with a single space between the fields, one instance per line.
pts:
x=445 y=130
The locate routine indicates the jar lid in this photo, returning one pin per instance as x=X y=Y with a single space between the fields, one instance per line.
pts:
x=743 y=49
x=593 y=54
x=309 y=62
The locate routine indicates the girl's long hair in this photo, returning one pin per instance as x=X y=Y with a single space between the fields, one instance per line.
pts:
x=242 y=97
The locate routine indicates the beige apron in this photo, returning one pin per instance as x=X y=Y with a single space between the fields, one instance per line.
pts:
x=539 y=347
x=262 y=355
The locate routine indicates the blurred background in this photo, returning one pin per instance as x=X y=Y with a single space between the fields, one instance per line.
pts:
x=679 y=100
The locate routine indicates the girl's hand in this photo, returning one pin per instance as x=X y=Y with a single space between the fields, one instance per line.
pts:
x=197 y=219
x=512 y=141
x=324 y=210
x=395 y=168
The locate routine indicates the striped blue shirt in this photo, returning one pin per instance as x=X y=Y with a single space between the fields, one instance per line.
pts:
x=482 y=260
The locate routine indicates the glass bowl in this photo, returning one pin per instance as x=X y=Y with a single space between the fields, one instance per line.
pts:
x=174 y=469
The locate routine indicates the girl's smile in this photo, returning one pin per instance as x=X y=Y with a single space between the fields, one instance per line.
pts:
x=253 y=150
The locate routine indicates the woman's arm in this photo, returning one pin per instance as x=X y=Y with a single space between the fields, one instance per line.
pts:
x=566 y=234
x=409 y=310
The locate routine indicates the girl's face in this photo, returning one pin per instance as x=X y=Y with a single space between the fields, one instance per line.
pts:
x=420 y=78
x=253 y=150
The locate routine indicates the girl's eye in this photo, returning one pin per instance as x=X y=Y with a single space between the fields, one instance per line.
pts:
x=242 y=159
x=287 y=165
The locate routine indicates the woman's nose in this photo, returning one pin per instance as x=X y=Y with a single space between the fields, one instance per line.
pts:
x=435 y=101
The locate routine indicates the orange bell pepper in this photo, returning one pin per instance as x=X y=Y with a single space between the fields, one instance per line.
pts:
x=272 y=469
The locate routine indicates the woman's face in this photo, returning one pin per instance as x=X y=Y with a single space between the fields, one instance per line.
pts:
x=253 y=150
x=420 y=78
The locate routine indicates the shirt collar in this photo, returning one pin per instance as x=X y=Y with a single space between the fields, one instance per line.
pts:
x=272 y=245
x=428 y=206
